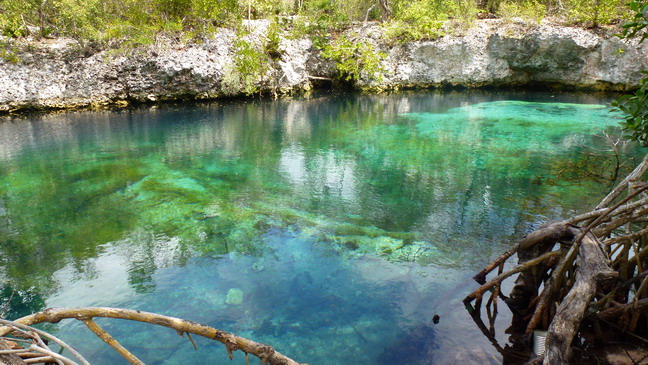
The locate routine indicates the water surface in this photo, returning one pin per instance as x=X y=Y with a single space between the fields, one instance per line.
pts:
x=332 y=228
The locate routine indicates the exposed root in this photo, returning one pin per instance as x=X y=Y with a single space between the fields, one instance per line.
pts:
x=578 y=275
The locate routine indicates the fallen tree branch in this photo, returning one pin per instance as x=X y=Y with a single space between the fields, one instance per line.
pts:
x=10 y=326
x=481 y=276
x=499 y=278
x=628 y=237
x=107 y=338
x=582 y=274
x=231 y=341
x=598 y=212
x=7 y=357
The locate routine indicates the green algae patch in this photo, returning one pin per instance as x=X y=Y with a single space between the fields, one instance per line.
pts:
x=504 y=135
x=234 y=296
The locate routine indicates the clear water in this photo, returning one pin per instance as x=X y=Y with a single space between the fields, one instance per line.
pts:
x=332 y=228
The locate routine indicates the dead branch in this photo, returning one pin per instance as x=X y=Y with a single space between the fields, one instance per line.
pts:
x=481 y=276
x=231 y=341
x=591 y=265
x=598 y=212
x=615 y=312
x=636 y=174
x=11 y=326
x=499 y=278
x=107 y=338
x=628 y=237
x=6 y=357
x=579 y=283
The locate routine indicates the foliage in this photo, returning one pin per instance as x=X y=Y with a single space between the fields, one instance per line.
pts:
x=424 y=19
x=638 y=24
x=9 y=52
x=102 y=20
x=251 y=65
x=635 y=106
x=595 y=12
x=418 y=20
x=138 y=21
x=11 y=23
x=635 y=110
x=530 y=10
x=355 y=59
x=273 y=41
x=318 y=19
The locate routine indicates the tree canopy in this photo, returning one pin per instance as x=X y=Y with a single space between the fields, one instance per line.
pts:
x=138 y=20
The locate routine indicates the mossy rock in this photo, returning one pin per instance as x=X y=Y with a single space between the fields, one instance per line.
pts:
x=387 y=245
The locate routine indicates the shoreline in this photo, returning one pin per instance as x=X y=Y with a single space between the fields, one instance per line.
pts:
x=53 y=75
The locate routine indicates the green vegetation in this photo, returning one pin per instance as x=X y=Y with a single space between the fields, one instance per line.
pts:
x=130 y=23
x=140 y=20
x=530 y=10
x=354 y=58
x=250 y=67
x=635 y=106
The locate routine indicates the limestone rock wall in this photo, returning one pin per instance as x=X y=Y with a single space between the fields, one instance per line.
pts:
x=497 y=54
x=58 y=74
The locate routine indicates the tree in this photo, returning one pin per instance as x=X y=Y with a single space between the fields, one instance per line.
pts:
x=635 y=106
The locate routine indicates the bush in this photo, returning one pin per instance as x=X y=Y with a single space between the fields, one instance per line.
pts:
x=138 y=21
x=424 y=19
x=635 y=106
x=595 y=12
x=635 y=110
x=529 y=10
x=355 y=59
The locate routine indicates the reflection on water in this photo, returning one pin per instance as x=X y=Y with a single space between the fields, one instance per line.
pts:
x=332 y=228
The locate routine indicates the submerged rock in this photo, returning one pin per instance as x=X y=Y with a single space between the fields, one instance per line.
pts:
x=234 y=296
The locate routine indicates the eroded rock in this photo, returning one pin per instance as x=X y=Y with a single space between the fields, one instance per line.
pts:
x=59 y=74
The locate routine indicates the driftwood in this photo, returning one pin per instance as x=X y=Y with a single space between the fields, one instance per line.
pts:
x=7 y=356
x=577 y=277
x=36 y=350
x=592 y=269
x=232 y=342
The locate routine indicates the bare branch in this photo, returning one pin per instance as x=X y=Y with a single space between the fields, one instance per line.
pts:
x=231 y=341
x=10 y=325
x=107 y=338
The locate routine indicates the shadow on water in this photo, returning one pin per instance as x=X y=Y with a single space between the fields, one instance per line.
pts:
x=414 y=347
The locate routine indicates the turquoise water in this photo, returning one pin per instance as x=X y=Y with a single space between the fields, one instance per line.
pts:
x=332 y=227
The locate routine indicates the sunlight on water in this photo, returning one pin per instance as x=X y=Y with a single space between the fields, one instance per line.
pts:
x=332 y=228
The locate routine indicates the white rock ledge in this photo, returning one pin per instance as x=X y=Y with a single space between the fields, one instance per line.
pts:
x=54 y=74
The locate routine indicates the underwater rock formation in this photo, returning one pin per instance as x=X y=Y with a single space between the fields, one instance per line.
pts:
x=234 y=296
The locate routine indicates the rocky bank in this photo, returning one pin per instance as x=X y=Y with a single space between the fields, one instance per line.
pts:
x=58 y=73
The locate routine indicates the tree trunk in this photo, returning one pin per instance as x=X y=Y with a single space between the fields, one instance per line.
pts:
x=592 y=269
x=387 y=12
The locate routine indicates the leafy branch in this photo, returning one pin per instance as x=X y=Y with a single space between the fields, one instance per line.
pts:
x=635 y=106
